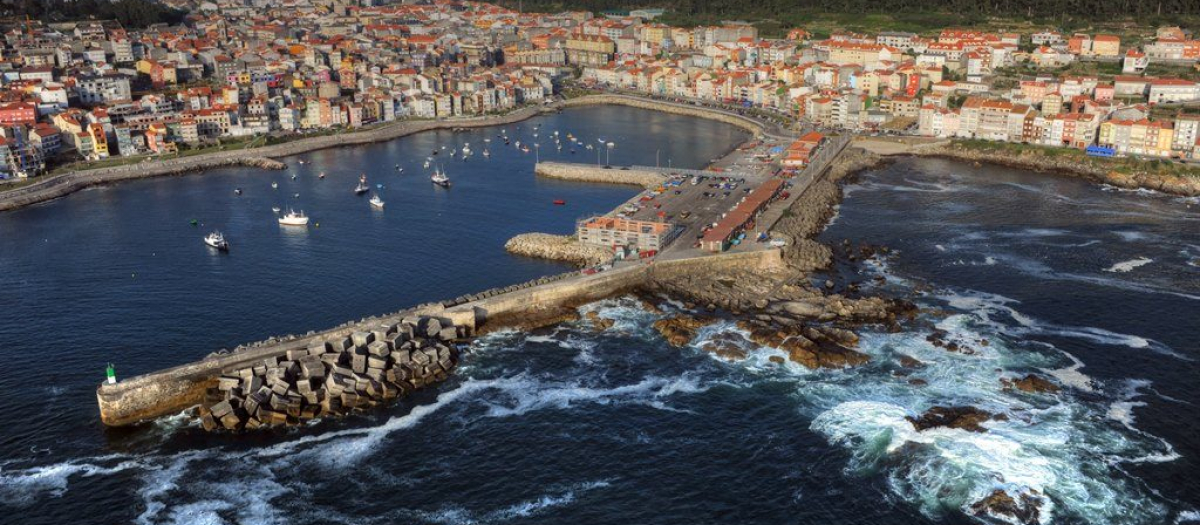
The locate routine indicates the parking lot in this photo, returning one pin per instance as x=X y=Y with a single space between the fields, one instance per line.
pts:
x=695 y=202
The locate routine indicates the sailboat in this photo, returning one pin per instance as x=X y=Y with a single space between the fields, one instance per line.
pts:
x=376 y=202
x=439 y=178
x=362 y=185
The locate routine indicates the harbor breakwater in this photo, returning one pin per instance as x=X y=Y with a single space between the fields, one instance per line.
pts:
x=587 y=173
x=526 y=306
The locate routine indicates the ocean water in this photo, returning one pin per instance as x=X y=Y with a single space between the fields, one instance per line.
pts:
x=571 y=424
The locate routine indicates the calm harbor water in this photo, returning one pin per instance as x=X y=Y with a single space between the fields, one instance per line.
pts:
x=1094 y=288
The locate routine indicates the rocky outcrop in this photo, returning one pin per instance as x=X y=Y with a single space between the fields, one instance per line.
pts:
x=599 y=323
x=727 y=346
x=811 y=346
x=1031 y=383
x=333 y=377
x=681 y=329
x=558 y=248
x=1039 y=159
x=966 y=418
x=999 y=505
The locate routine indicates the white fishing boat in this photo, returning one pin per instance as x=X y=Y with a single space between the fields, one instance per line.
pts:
x=439 y=178
x=294 y=218
x=376 y=202
x=362 y=185
x=216 y=240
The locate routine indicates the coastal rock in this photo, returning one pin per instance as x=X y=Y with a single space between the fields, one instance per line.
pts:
x=727 y=346
x=599 y=323
x=1032 y=383
x=811 y=347
x=681 y=329
x=558 y=248
x=1001 y=506
x=961 y=417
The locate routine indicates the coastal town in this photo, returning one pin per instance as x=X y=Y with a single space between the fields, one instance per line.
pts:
x=246 y=73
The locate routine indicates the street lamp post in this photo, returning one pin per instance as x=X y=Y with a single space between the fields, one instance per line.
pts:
x=608 y=154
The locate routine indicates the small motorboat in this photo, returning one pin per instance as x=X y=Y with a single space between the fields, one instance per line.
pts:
x=274 y=185
x=294 y=218
x=487 y=153
x=216 y=240
x=293 y=176
x=275 y=209
x=295 y=195
x=237 y=191
x=195 y=222
x=399 y=169
x=301 y=162
x=321 y=176
x=376 y=202
x=559 y=202
x=362 y=185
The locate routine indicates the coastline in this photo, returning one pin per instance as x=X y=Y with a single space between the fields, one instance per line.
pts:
x=56 y=186
x=1036 y=159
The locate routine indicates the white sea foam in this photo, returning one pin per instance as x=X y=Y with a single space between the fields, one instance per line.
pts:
x=1126 y=266
x=992 y=310
x=22 y=488
x=1188 y=516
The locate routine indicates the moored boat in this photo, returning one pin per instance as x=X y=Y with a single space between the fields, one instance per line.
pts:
x=217 y=240
x=294 y=218
x=362 y=185
x=439 y=178
x=376 y=202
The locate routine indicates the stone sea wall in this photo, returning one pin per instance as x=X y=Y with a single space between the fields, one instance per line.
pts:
x=586 y=173
x=557 y=248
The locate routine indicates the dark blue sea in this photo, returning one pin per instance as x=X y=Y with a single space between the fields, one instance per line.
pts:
x=1094 y=288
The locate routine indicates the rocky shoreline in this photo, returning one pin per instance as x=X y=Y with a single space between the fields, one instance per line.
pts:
x=1035 y=159
x=557 y=248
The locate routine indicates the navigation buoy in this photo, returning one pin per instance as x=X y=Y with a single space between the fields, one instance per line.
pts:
x=111 y=373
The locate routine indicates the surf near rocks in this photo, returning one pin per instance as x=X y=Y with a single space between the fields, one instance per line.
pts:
x=333 y=377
